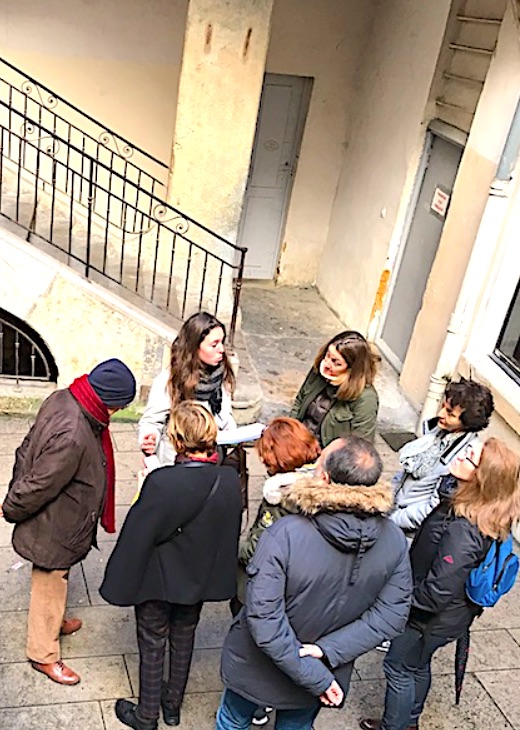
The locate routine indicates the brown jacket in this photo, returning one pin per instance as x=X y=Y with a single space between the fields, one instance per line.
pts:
x=57 y=490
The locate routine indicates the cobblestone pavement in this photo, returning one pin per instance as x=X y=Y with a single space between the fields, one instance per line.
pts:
x=104 y=652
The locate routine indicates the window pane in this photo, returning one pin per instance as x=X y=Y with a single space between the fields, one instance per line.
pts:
x=508 y=345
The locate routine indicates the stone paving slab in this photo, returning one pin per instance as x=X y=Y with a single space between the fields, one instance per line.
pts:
x=125 y=440
x=492 y=649
x=102 y=677
x=121 y=512
x=9 y=426
x=125 y=490
x=128 y=464
x=15 y=584
x=108 y=627
x=9 y=443
x=502 y=686
x=6 y=468
x=198 y=713
x=213 y=625
x=94 y=569
x=477 y=711
x=73 y=716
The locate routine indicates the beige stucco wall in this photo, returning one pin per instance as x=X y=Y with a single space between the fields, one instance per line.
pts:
x=81 y=323
x=478 y=166
x=395 y=77
x=324 y=41
x=219 y=91
x=117 y=60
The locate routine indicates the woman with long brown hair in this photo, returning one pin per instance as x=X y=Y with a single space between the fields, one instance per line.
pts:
x=338 y=395
x=479 y=504
x=199 y=370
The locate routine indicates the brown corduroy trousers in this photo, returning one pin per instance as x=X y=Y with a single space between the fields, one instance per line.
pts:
x=46 y=613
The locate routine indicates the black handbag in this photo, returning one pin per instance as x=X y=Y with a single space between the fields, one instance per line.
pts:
x=237 y=458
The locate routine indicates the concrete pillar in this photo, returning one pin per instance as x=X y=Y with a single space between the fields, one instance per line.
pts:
x=222 y=71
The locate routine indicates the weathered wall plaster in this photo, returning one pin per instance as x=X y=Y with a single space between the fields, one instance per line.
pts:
x=81 y=323
x=119 y=60
x=221 y=79
x=395 y=79
x=485 y=143
x=324 y=41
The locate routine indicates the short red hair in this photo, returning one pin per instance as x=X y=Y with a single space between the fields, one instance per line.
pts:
x=286 y=444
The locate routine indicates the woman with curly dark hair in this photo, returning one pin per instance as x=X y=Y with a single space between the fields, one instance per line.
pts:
x=199 y=370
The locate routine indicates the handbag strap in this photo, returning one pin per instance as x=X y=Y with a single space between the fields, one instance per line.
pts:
x=181 y=528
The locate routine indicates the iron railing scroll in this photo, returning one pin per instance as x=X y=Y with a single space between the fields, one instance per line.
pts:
x=98 y=202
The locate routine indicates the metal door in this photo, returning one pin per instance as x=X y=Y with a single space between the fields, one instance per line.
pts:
x=420 y=248
x=283 y=109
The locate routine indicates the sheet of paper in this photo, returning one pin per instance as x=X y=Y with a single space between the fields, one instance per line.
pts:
x=241 y=434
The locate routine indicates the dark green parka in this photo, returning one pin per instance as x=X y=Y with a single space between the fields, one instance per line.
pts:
x=345 y=416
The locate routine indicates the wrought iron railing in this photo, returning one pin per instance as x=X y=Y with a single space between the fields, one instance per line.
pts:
x=22 y=355
x=70 y=182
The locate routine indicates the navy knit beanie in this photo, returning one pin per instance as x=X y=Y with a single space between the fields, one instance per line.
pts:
x=113 y=382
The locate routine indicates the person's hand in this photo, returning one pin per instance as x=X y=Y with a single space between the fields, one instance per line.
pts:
x=311 y=650
x=148 y=444
x=333 y=696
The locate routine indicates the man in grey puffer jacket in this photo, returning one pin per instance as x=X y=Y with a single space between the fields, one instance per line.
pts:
x=325 y=586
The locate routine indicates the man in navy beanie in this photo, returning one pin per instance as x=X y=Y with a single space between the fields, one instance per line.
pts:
x=62 y=484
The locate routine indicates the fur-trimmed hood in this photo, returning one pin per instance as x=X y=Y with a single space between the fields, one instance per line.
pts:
x=310 y=496
x=349 y=518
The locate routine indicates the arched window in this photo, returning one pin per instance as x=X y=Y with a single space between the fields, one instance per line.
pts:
x=23 y=353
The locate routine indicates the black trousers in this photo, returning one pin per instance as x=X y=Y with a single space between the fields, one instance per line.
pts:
x=157 y=622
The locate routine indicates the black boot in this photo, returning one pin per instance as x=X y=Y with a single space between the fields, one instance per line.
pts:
x=126 y=713
x=171 y=713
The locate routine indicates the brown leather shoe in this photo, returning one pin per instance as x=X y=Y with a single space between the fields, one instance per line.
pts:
x=70 y=626
x=58 y=672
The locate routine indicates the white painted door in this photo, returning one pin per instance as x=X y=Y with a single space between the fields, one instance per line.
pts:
x=283 y=108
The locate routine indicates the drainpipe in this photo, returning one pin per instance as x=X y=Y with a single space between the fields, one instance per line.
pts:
x=483 y=251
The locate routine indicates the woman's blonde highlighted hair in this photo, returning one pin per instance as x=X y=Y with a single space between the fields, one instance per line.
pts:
x=361 y=362
x=192 y=428
x=491 y=498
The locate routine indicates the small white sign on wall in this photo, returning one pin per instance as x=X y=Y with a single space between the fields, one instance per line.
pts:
x=440 y=202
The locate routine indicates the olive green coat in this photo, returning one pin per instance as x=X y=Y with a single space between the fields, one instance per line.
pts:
x=353 y=416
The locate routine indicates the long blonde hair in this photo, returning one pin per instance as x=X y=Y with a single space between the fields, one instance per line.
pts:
x=491 y=498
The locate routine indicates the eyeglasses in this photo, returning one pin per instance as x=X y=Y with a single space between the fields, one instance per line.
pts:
x=468 y=458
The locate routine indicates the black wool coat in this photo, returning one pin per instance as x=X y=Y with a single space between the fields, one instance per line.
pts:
x=153 y=561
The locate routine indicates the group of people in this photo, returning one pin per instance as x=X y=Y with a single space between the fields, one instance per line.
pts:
x=336 y=563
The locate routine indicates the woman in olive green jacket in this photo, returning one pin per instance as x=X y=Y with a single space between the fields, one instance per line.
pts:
x=338 y=396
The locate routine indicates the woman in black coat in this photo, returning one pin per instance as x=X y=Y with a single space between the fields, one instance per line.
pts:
x=452 y=541
x=177 y=549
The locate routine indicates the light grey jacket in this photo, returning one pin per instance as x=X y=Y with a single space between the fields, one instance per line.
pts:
x=416 y=498
x=155 y=417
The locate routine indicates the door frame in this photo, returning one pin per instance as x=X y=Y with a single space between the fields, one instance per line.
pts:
x=454 y=136
x=303 y=113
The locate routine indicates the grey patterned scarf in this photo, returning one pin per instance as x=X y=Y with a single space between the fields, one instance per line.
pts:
x=421 y=456
x=209 y=387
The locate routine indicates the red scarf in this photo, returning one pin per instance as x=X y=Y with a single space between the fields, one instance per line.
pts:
x=183 y=458
x=87 y=397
